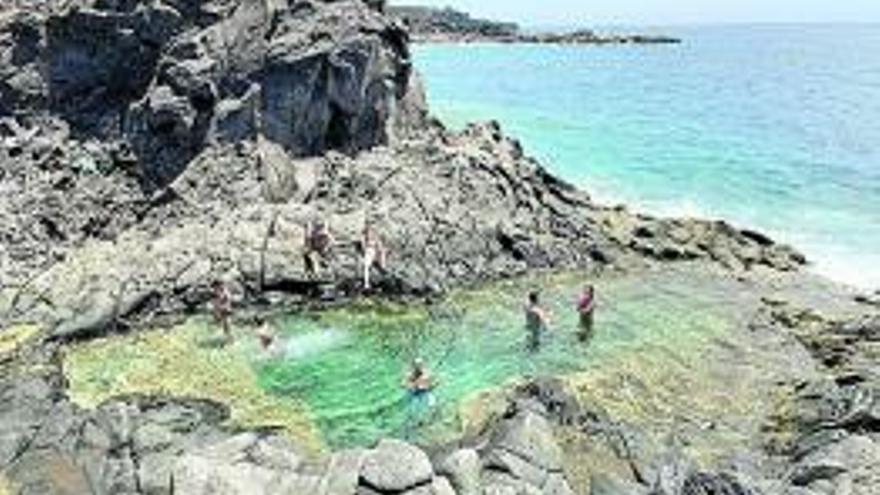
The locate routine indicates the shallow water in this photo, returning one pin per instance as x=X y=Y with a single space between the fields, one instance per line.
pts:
x=773 y=126
x=347 y=366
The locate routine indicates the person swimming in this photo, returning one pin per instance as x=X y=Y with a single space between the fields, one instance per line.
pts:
x=419 y=381
x=537 y=320
x=265 y=334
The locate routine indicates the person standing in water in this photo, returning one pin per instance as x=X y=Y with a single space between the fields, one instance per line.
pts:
x=223 y=309
x=586 y=306
x=420 y=386
x=537 y=320
x=374 y=253
x=419 y=382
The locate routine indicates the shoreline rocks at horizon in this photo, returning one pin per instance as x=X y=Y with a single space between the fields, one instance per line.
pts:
x=446 y=25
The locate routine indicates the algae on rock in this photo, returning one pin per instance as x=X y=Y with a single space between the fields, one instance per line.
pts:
x=187 y=362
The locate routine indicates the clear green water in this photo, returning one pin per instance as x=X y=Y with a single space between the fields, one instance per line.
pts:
x=775 y=127
x=347 y=365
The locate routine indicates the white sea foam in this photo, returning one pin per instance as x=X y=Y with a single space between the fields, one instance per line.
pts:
x=859 y=271
x=841 y=265
x=309 y=344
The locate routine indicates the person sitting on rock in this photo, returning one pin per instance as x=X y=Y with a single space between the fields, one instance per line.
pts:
x=223 y=309
x=374 y=253
x=318 y=243
x=537 y=320
x=586 y=306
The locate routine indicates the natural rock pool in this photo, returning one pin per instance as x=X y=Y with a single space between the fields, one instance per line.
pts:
x=672 y=354
x=347 y=366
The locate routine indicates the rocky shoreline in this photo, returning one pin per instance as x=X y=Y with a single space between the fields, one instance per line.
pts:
x=151 y=148
x=433 y=25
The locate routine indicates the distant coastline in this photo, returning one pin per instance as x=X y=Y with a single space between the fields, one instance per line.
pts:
x=447 y=25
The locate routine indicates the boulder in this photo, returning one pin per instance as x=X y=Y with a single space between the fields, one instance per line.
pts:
x=855 y=457
x=442 y=486
x=601 y=484
x=243 y=464
x=462 y=468
x=701 y=483
x=343 y=473
x=529 y=437
x=395 y=466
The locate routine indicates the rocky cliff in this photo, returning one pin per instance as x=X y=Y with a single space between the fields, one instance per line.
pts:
x=104 y=104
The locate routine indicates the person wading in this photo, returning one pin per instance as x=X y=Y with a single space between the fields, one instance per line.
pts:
x=374 y=253
x=223 y=309
x=537 y=320
x=586 y=307
x=420 y=387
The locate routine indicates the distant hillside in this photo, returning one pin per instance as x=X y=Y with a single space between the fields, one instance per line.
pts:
x=428 y=21
x=430 y=24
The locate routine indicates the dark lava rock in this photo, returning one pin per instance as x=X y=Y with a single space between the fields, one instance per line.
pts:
x=713 y=484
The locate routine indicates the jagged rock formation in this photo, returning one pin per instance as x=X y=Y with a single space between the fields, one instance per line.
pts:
x=829 y=428
x=104 y=104
x=455 y=209
x=152 y=446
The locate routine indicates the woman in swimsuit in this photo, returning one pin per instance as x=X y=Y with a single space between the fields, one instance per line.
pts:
x=374 y=253
x=586 y=306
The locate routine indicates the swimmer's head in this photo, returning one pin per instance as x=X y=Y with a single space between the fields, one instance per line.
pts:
x=418 y=364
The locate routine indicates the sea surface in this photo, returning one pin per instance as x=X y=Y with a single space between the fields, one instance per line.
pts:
x=775 y=127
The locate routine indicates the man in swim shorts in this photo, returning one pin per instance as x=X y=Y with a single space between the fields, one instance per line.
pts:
x=537 y=320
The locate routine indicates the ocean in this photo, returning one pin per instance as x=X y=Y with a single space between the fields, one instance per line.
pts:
x=774 y=127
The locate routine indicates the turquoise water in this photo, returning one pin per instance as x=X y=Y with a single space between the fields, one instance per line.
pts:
x=347 y=366
x=774 y=127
